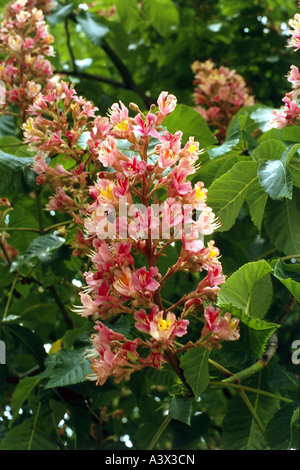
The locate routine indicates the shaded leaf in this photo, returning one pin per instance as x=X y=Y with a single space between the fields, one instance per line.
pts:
x=279 y=429
x=181 y=409
x=17 y=177
x=289 y=275
x=286 y=215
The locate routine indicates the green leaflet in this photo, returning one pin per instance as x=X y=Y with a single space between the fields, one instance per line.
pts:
x=95 y=30
x=286 y=215
x=227 y=193
x=279 y=429
x=258 y=330
x=240 y=289
x=163 y=23
x=195 y=367
x=67 y=367
x=289 y=275
x=276 y=179
x=240 y=431
x=17 y=177
x=181 y=409
x=42 y=248
x=21 y=393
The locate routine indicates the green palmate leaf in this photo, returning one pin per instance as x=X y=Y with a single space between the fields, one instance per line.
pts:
x=286 y=215
x=164 y=23
x=181 y=409
x=41 y=248
x=289 y=275
x=239 y=289
x=26 y=339
x=227 y=194
x=92 y=27
x=68 y=367
x=276 y=179
x=22 y=391
x=279 y=429
x=191 y=123
x=195 y=367
x=17 y=177
x=258 y=330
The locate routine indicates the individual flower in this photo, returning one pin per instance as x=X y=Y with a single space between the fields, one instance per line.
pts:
x=219 y=327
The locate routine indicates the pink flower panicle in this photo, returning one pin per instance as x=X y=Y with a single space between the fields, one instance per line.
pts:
x=219 y=93
x=289 y=113
x=128 y=214
x=25 y=41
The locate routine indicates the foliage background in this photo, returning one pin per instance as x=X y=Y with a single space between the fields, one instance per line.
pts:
x=146 y=47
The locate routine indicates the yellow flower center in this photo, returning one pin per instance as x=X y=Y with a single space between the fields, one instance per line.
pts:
x=122 y=126
x=164 y=324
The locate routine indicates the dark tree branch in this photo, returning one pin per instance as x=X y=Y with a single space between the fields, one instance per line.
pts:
x=128 y=81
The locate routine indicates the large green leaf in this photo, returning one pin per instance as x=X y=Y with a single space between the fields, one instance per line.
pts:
x=162 y=14
x=289 y=275
x=239 y=289
x=191 y=123
x=227 y=194
x=282 y=223
x=195 y=367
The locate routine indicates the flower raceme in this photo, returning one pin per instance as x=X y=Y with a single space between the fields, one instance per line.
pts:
x=143 y=205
